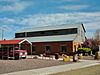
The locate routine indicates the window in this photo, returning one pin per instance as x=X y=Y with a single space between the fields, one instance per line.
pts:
x=29 y=34
x=42 y=32
x=55 y=32
x=48 y=33
x=18 y=35
x=63 y=48
x=48 y=48
x=74 y=30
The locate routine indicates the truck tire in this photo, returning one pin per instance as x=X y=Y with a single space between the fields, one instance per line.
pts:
x=17 y=57
x=23 y=57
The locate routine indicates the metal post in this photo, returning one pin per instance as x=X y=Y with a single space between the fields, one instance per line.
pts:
x=8 y=52
x=19 y=46
x=13 y=52
x=2 y=33
x=99 y=47
x=25 y=34
x=2 y=53
x=31 y=49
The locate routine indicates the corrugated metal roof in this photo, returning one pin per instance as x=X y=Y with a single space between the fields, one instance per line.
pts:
x=52 y=27
x=70 y=37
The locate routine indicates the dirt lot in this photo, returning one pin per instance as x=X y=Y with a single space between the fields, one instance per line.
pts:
x=7 y=66
x=93 y=70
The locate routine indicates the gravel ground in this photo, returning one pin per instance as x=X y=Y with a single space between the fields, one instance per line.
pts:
x=93 y=70
x=88 y=57
x=7 y=66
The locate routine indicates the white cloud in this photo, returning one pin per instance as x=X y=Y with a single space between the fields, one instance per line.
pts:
x=94 y=14
x=93 y=25
x=73 y=7
x=7 y=21
x=71 y=0
x=90 y=20
x=9 y=0
x=43 y=19
x=16 y=6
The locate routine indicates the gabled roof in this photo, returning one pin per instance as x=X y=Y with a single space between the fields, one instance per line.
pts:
x=17 y=41
x=52 y=27
x=83 y=27
x=54 y=38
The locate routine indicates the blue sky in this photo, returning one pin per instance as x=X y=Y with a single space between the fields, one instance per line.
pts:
x=18 y=14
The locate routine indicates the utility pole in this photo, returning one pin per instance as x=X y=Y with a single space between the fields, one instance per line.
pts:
x=2 y=32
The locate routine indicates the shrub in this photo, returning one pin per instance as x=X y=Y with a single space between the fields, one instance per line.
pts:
x=84 y=49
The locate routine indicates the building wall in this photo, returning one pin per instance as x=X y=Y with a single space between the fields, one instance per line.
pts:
x=55 y=47
x=76 y=45
x=81 y=34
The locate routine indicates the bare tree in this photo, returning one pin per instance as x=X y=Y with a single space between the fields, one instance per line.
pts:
x=97 y=37
x=97 y=42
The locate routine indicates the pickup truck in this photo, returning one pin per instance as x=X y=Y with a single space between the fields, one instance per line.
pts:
x=19 y=54
x=15 y=54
